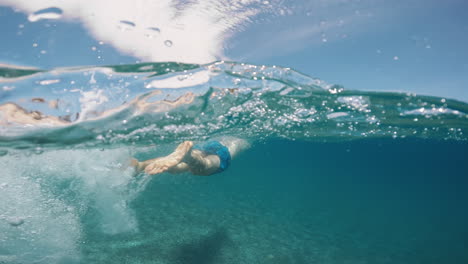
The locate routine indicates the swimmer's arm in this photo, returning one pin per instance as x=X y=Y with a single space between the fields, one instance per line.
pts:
x=206 y=166
x=139 y=166
x=162 y=164
x=179 y=168
x=203 y=165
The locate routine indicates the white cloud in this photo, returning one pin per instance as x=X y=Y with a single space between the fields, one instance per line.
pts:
x=164 y=30
x=196 y=31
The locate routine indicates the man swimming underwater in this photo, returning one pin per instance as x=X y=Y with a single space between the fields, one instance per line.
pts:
x=202 y=159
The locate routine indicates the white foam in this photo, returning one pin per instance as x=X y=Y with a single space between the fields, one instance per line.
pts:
x=90 y=102
x=35 y=227
x=104 y=177
x=40 y=221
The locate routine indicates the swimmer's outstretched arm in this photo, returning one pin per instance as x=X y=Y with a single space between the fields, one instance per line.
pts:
x=162 y=164
x=179 y=168
x=185 y=159
x=198 y=164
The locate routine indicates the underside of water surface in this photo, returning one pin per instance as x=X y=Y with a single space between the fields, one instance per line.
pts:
x=167 y=102
x=331 y=175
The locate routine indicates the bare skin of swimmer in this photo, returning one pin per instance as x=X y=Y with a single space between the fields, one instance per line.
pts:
x=200 y=164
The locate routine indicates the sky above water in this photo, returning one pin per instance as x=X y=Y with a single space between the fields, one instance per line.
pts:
x=413 y=46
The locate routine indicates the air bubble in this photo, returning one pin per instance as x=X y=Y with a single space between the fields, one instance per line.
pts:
x=152 y=32
x=155 y=29
x=168 y=43
x=126 y=25
x=47 y=13
x=182 y=77
x=303 y=113
x=15 y=221
x=38 y=151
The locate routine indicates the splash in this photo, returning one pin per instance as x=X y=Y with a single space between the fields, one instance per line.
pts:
x=43 y=208
x=154 y=103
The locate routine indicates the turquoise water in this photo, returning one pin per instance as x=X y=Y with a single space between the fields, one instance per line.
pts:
x=332 y=176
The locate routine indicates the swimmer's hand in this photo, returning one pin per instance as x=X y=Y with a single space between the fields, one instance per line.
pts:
x=154 y=169
x=134 y=163
x=160 y=165
x=137 y=166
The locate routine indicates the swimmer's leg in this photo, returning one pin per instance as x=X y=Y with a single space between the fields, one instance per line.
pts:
x=162 y=164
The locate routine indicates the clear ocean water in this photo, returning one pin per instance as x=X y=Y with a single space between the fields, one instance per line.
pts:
x=331 y=176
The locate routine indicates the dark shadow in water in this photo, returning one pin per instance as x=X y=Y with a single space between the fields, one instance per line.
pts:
x=205 y=250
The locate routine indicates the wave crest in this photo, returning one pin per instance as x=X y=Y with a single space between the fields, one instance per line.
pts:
x=153 y=103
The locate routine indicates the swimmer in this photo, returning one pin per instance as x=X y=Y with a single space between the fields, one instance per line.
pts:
x=204 y=159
